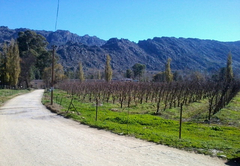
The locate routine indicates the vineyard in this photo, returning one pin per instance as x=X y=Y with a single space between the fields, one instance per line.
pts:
x=159 y=96
x=151 y=111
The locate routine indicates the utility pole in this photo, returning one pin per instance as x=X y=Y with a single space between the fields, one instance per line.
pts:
x=52 y=83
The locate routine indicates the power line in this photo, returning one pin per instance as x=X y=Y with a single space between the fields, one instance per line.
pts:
x=53 y=58
x=57 y=16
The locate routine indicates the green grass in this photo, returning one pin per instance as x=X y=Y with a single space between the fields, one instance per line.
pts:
x=138 y=121
x=6 y=94
x=230 y=115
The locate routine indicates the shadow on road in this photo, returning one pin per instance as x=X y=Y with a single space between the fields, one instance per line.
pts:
x=234 y=162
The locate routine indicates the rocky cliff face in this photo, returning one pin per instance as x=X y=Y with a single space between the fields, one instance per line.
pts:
x=193 y=54
x=186 y=53
x=91 y=56
x=61 y=37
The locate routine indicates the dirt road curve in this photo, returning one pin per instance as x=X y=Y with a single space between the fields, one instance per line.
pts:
x=31 y=135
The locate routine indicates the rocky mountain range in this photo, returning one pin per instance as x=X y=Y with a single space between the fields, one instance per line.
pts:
x=186 y=53
x=59 y=37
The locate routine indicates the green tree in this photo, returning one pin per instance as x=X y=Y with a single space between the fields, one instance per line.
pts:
x=33 y=54
x=81 y=73
x=108 y=69
x=129 y=73
x=138 y=70
x=44 y=59
x=168 y=72
x=229 y=70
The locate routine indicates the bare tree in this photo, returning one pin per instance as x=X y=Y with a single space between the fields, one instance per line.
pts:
x=81 y=73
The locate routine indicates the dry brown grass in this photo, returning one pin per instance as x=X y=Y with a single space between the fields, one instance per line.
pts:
x=55 y=108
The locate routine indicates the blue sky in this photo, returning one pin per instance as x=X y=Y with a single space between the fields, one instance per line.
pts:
x=130 y=19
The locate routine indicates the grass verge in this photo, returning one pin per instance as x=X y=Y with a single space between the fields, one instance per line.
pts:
x=211 y=139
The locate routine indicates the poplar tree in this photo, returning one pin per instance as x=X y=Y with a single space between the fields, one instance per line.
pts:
x=3 y=59
x=12 y=63
x=108 y=69
x=15 y=64
x=229 y=70
x=81 y=73
x=1 y=65
x=168 y=72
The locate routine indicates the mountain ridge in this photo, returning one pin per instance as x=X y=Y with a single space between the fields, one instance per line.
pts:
x=186 y=53
x=58 y=37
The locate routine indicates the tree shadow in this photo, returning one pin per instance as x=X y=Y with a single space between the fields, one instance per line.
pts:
x=233 y=162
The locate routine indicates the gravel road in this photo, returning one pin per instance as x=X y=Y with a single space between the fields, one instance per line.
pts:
x=31 y=135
